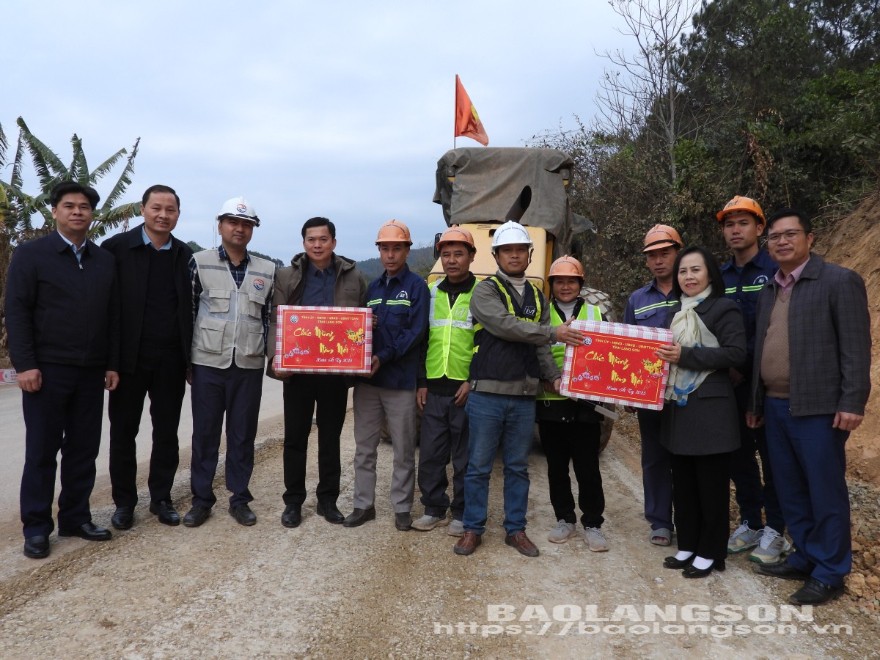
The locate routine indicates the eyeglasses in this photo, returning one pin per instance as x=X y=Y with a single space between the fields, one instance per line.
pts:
x=789 y=236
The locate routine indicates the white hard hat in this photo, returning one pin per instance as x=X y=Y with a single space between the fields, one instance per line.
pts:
x=511 y=233
x=239 y=207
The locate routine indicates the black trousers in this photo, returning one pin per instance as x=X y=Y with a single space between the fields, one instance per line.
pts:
x=64 y=415
x=751 y=494
x=234 y=393
x=164 y=380
x=576 y=443
x=326 y=397
x=701 y=498
x=443 y=438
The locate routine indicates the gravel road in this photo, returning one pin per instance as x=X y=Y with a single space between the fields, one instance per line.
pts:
x=323 y=591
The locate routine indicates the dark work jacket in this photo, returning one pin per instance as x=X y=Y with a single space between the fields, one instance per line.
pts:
x=709 y=423
x=400 y=306
x=496 y=358
x=59 y=311
x=743 y=287
x=132 y=268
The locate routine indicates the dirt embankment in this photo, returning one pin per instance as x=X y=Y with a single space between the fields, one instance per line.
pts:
x=855 y=244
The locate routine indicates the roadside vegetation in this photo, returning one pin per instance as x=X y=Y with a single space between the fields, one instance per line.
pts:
x=777 y=100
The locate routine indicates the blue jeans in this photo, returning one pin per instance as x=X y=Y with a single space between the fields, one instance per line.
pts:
x=809 y=464
x=497 y=421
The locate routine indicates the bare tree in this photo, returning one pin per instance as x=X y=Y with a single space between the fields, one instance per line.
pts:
x=643 y=91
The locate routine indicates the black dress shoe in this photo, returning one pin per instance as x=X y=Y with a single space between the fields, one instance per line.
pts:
x=88 y=531
x=672 y=562
x=123 y=517
x=403 y=521
x=359 y=516
x=36 y=547
x=292 y=516
x=692 y=572
x=782 y=570
x=815 y=592
x=243 y=515
x=196 y=516
x=330 y=512
x=166 y=512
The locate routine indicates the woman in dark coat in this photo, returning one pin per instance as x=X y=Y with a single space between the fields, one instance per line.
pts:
x=699 y=423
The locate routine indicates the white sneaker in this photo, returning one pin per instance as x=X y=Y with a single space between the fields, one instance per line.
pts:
x=743 y=538
x=770 y=548
x=456 y=528
x=561 y=533
x=426 y=523
x=595 y=539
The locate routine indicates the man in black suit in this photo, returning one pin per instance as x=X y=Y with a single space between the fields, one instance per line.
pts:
x=156 y=319
x=62 y=315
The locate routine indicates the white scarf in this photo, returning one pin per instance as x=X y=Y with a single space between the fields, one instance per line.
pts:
x=688 y=330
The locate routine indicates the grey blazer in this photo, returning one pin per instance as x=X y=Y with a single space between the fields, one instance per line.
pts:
x=829 y=336
x=708 y=423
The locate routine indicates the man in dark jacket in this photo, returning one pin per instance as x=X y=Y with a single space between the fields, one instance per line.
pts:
x=749 y=269
x=315 y=277
x=62 y=317
x=399 y=299
x=156 y=319
x=810 y=383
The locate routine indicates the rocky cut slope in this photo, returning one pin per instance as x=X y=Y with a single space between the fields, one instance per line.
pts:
x=855 y=243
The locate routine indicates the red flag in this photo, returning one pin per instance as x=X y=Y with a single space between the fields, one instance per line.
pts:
x=467 y=121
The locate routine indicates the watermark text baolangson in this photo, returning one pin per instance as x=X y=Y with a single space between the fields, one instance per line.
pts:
x=720 y=620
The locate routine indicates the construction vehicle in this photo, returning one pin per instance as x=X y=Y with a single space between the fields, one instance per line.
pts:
x=482 y=188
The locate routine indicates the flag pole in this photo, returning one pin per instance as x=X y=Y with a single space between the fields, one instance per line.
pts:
x=454 y=110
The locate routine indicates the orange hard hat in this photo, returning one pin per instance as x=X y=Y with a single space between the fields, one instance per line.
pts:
x=661 y=236
x=456 y=234
x=566 y=266
x=739 y=203
x=393 y=231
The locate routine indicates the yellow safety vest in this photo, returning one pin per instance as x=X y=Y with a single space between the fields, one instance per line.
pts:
x=587 y=312
x=450 y=335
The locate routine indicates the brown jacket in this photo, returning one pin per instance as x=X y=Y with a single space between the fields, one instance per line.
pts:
x=350 y=290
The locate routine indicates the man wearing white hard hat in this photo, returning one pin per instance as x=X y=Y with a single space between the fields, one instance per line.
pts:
x=399 y=300
x=232 y=294
x=511 y=357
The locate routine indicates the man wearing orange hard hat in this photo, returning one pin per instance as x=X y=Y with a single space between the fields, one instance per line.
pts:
x=742 y=222
x=648 y=307
x=399 y=299
x=443 y=384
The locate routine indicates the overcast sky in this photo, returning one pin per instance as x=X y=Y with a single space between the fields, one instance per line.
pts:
x=339 y=109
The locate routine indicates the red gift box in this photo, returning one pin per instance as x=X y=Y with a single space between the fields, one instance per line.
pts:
x=323 y=340
x=617 y=364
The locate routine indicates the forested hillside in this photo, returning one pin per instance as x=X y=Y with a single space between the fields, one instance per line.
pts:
x=776 y=100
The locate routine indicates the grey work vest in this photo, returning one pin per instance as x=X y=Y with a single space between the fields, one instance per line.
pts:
x=230 y=319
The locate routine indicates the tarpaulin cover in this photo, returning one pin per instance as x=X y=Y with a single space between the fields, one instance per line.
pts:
x=487 y=182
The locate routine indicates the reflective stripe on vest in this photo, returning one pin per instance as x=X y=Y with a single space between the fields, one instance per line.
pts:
x=510 y=308
x=450 y=335
x=587 y=312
